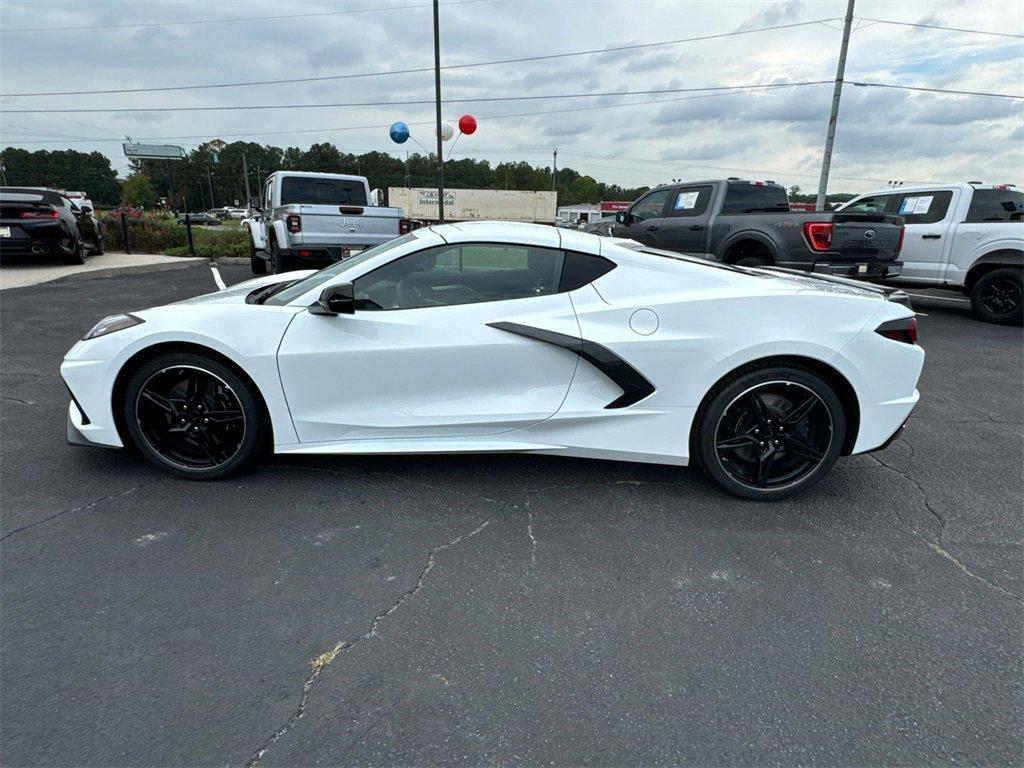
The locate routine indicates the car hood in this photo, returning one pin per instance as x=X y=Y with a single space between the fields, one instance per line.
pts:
x=235 y=294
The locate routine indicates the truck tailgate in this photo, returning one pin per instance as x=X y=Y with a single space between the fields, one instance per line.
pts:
x=345 y=225
x=866 y=235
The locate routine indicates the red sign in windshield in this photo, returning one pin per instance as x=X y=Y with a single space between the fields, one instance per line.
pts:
x=614 y=206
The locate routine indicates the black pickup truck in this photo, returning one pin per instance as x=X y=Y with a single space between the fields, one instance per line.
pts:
x=749 y=223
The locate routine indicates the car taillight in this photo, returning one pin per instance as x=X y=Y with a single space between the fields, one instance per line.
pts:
x=294 y=223
x=899 y=242
x=404 y=226
x=904 y=330
x=818 y=234
x=45 y=214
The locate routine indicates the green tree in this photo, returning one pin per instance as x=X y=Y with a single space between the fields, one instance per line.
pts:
x=137 y=191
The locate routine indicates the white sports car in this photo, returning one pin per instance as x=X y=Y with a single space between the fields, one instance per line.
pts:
x=497 y=337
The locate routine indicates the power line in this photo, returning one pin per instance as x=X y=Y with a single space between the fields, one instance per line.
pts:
x=238 y=19
x=545 y=57
x=936 y=26
x=937 y=90
x=414 y=103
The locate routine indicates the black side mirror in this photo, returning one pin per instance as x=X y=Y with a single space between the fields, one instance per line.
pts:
x=622 y=217
x=339 y=299
x=86 y=209
x=254 y=203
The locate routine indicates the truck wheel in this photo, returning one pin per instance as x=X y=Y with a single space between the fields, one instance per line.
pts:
x=256 y=264
x=753 y=261
x=998 y=297
x=278 y=263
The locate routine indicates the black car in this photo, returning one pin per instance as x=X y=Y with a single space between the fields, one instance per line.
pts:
x=43 y=222
x=205 y=219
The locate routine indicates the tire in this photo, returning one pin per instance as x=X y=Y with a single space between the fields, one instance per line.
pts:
x=202 y=430
x=753 y=261
x=77 y=256
x=997 y=296
x=256 y=264
x=279 y=263
x=745 y=414
x=98 y=250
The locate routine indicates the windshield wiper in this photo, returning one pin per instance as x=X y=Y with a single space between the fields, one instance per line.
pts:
x=263 y=293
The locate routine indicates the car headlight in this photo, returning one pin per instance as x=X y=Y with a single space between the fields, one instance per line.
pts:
x=112 y=324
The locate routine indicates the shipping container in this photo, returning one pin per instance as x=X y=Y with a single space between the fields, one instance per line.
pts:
x=475 y=204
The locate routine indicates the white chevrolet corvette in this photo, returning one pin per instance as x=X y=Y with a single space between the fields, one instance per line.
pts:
x=496 y=337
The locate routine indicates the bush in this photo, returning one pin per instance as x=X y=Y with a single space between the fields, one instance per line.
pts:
x=147 y=232
x=215 y=244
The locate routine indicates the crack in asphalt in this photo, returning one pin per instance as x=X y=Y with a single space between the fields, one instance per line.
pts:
x=10 y=399
x=324 y=660
x=936 y=545
x=80 y=508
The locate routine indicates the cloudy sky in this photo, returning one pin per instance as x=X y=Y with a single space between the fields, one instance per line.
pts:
x=883 y=133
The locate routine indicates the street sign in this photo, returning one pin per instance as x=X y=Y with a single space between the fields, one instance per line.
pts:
x=153 y=151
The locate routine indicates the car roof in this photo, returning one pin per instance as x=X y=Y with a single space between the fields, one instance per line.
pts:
x=931 y=187
x=541 y=235
x=313 y=175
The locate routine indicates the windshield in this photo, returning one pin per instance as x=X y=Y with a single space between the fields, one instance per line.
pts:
x=319 y=278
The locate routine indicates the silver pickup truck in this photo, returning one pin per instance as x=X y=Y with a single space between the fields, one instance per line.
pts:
x=309 y=220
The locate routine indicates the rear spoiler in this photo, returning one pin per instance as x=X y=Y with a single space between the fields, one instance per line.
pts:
x=897 y=295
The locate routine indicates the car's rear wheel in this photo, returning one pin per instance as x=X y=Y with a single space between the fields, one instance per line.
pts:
x=753 y=261
x=771 y=432
x=193 y=416
x=998 y=296
x=77 y=255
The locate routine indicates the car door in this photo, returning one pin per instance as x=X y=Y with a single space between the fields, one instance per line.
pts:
x=927 y=216
x=421 y=358
x=685 y=226
x=645 y=217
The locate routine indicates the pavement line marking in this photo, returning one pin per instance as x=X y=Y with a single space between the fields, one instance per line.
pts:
x=217 y=278
x=939 y=298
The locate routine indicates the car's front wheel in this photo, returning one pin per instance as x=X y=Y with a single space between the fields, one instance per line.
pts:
x=193 y=416
x=998 y=296
x=771 y=432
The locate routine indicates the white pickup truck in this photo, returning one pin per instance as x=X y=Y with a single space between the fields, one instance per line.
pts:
x=965 y=237
x=309 y=220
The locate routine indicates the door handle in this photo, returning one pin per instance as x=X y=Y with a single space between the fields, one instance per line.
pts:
x=696 y=227
x=930 y=237
x=652 y=229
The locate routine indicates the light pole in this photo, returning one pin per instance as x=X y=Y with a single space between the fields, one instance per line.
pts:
x=554 y=169
x=837 y=92
x=437 y=100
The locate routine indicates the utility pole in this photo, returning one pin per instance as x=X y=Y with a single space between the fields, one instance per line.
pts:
x=837 y=92
x=245 y=170
x=554 y=169
x=407 y=184
x=209 y=178
x=437 y=99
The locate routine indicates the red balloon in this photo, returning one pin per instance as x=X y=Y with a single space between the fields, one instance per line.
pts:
x=467 y=124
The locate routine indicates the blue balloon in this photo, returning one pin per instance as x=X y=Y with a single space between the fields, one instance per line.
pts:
x=399 y=133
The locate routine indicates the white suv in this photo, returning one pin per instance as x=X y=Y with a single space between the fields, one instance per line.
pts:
x=966 y=237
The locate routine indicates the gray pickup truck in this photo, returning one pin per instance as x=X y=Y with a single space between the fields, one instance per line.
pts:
x=309 y=220
x=749 y=223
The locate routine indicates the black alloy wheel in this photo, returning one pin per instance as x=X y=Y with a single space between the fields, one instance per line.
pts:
x=771 y=433
x=998 y=297
x=77 y=255
x=193 y=416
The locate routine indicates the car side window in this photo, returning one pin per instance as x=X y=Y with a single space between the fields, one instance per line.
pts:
x=873 y=204
x=652 y=206
x=467 y=273
x=924 y=207
x=995 y=205
x=690 y=201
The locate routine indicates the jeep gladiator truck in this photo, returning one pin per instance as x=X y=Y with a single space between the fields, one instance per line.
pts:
x=962 y=237
x=749 y=223
x=309 y=220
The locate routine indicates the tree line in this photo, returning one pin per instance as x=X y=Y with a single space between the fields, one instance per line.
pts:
x=214 y=174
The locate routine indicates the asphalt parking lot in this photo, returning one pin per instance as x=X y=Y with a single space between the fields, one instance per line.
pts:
x=507 y=609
